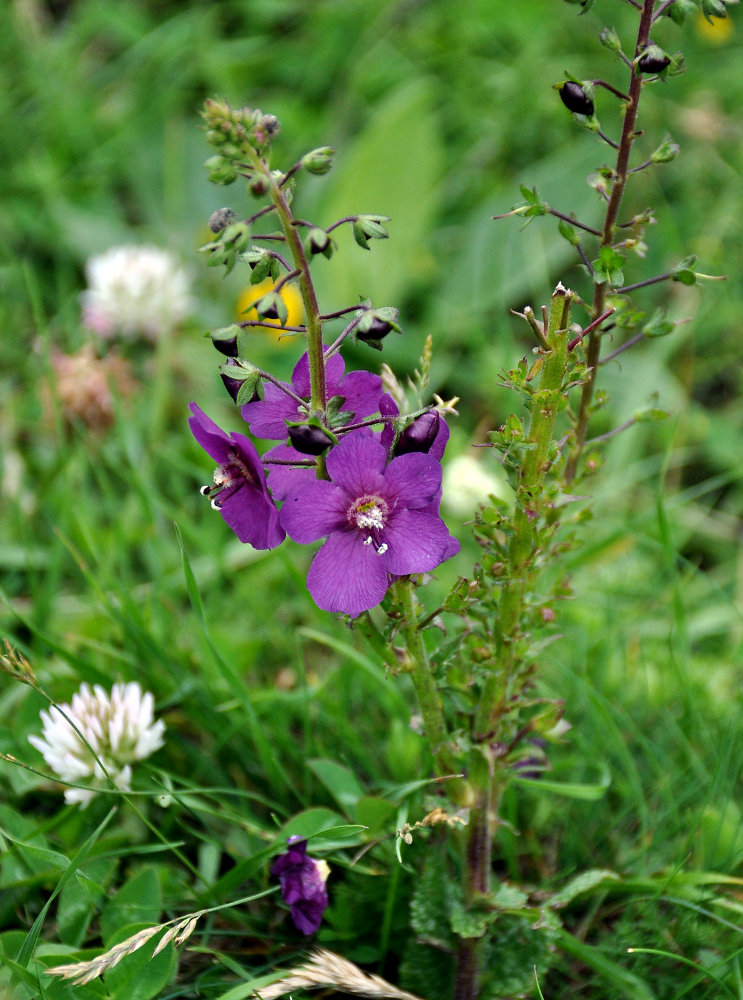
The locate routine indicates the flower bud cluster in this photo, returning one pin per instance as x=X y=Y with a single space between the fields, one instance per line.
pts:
x=233 y=133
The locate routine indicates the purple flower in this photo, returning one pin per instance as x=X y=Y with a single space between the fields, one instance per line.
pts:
x=360 y=391
x=380 y=519
x=239 y=493
x=302 y=883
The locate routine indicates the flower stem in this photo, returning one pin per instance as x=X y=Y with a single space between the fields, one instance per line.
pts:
x=309 y=299
x=499 y=686
x=621 y=171
x=417 y=665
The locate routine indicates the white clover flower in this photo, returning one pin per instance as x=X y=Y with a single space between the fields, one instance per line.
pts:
x=120 y=729
x=135 y=291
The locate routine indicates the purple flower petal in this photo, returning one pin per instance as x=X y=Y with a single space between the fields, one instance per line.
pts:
x=414 y=479
x=243 y=498
x=209 y=435
x=286 y=479
x=417 y=542
x=356 y=463
x=361 y=391
x=254 y=519
x=307 y=914
x=267 y=417
x=314 y=512
x=346 y=575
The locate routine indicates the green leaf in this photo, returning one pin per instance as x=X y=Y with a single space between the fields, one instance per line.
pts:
x=339 y=781
x=433 y=900
x=29 y=943
x=571 y=790
x=137 y=901
x=585 y=882
x=631 y=986
x=376 y=814
x=140 y=976
x=311 y=822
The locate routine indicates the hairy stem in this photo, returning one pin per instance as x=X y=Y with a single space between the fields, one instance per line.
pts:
x=417 y=665
x=498 y=687
x=621 y=171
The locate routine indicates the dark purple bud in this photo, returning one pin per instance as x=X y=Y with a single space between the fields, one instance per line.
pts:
x=228 y=346
x=420 y=435
x=233 y=385
x=317 y=240
x=375 y=332
x=653 y=60
x=267 y=309
x=220 y=219
x=575 y=99
x=309 y=439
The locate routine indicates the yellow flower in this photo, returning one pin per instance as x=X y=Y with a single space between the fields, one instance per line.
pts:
x=289 y=293
x=718 y=31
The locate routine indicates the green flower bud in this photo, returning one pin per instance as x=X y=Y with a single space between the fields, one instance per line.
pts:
x=220 y=170
x=318 y=161
x=258 y=187
x=610 y=40
x=667 y=151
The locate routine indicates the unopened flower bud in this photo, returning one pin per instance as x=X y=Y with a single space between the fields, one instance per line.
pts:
x=258 y=187
x=317 y=241
x=575 y=99
x=220 y=219
x=318 y=161
x=225 y=340
x=610 y=40
x=309 y=439
x=420 y=435
x=272 y=306
x=220 y=170
x=376 y=330
x=232 y=385
x=653 y=60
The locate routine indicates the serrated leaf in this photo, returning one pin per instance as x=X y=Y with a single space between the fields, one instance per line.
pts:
x=432 y=901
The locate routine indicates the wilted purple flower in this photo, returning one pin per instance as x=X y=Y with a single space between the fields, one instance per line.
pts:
x=302 y=881
x=380 y=519
x=239 y=493
x=360 y=391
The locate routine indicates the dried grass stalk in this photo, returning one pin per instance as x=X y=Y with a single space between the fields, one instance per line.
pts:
x=325 y=969
x=80 y=973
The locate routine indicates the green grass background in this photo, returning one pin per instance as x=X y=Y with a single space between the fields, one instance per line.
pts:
x=437 y=111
